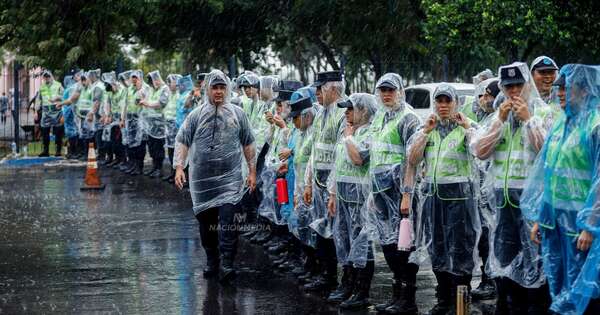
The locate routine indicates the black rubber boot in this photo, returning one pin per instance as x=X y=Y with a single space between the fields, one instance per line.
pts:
x=443 y=294
x=212 y=264
x=486 y=289
x=227 y=272
x=407 y=304
x=344 y=290
x=360 y=297
x=396 y=295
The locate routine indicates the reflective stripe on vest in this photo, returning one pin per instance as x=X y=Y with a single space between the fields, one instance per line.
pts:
x=447 y=160
x=569 y=162
x=388 y=148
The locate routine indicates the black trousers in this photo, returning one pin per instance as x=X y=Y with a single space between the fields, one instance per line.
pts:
x=115 y=145
x=157 y=151
x=58 y=132
x=219 y=233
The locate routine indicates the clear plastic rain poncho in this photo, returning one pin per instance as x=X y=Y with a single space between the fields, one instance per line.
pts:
x=511 y=148
x=151 y=115
x=394 y=123
x=98 y=91
x=170 y=111
x=50 y=92
x=326 y=130
x=85 y=121
x=562 y=194
x=448 y=221
x=185 y=86
x=112 y=107
x=70 y=85
x=218 y=142
x=301 y=145
x=349 y=184
x=134 y=125
x=278 y=139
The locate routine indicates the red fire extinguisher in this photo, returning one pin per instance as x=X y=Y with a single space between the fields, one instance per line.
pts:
x=282 y=190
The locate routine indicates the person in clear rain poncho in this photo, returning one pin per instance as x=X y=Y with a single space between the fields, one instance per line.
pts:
x=448 y=222
x=392 y=127
x=154 y=121
x=124 y=79
x=511 y=139
x=302 y=115
x=170 y=113
x=278 y=163
x=51 y=91
x=216 y=140
x=135 y=136
x=184 y=108
x=349 y=189
x=327 y=124
x=70 y=84
x=72 y=103
x=97 y=92
x=115 y=100
x=470 y=106
x=562 y=195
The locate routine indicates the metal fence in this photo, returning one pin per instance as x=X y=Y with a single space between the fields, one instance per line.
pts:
x=18 y=130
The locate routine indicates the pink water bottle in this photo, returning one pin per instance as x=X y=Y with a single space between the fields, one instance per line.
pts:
x=405 y=235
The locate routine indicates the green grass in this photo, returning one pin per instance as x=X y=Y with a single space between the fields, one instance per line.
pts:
x=33 y=149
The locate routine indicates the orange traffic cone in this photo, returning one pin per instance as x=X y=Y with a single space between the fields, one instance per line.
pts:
x=92 y=180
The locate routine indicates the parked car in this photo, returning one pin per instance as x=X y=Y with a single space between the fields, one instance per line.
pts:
x=420 y=96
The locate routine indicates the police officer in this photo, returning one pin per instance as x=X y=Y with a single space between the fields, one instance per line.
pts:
x=511 y=140
x=449 y=224
x=561 y=195
x=349 y=190
x=136 y=134
x=392 y=127
x=154 y=119
x=328 y=121
x=50 y=92
x=170 y=113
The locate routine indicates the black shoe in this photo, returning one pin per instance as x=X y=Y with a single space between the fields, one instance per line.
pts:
x=356 y=301
x=57 y=154
x=319 y=284
x=44 y=154
x=360 y=297
x=396 y=295
x=297 y=271
x=130 y=169
x=137 y=170
x=226 y=274
x=405 y=305
x=485 y=291
x=442 y=308
x=344 y=290
x=155 y=174
x=113 y=163
x=148 y=172
x=278 y=248
x=124 y=166
x=211 y=271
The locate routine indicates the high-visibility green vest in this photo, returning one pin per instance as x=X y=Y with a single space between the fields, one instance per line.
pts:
x=116 y=100
x=302 y=150
x=170 y=110
x=467 y=108
x=512 y=160
x=345 y=170
x=388 y=147
x=50 y=92
x=571 y=163
x=325 y=127
x=153 y=97
x=84 y=103
x=132 y=107
x=447 y=160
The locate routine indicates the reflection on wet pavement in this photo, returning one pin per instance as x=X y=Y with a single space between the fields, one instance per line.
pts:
x=131 y=249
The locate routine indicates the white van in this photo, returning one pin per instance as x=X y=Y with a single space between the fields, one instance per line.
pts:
x=420 y=96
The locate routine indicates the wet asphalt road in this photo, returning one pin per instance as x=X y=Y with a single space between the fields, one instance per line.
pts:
x=133 y=249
